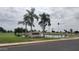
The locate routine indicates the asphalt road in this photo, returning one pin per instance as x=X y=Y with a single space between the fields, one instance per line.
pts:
x=67 y=45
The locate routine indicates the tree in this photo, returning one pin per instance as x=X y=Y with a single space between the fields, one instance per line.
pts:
x=2 y=29
x=9 y=31
x=53 y=30
x=29 y=18
x=65 y=31
x=71 y=30
x=76 y=32
x=18 y=30
x=25 y=22
x=32 y=16
x=45 y=20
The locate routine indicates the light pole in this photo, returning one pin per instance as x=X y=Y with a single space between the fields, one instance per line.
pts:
x=58 y=28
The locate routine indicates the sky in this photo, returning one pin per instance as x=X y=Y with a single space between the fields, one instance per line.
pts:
x=68 y=17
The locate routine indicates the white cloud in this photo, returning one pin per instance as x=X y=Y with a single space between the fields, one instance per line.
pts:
x=67 y=16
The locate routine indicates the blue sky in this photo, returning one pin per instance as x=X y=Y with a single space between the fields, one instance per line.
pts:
x=68 y=17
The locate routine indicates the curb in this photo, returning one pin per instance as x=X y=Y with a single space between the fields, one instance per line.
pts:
x=23 y=43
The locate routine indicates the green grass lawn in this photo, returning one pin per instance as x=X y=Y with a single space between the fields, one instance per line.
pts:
x=10 y=38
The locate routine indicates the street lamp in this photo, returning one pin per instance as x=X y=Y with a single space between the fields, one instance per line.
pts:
x=58 y=26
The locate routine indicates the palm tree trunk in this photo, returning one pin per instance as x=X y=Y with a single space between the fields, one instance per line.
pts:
x=44 y=31
x=31 y=31
x=31 y=25
x=31 y=28
x=26 y=28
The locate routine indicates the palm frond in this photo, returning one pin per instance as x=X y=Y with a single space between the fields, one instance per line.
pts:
x=21 y=22
x=35 y=16
x=29 y=12
x=45 y=20
x=32 y=10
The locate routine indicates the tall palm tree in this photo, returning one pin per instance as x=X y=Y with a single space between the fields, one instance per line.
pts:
x=29 y=18
x=25 y=22
x=45 y=20
x=32 y=16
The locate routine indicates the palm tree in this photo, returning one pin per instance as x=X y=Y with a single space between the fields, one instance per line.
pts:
x=32 y=16
x=45 y=20
x=29 y=18
x=25 y=22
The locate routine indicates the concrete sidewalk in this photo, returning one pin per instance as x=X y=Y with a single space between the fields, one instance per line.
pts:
x=23 y=43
